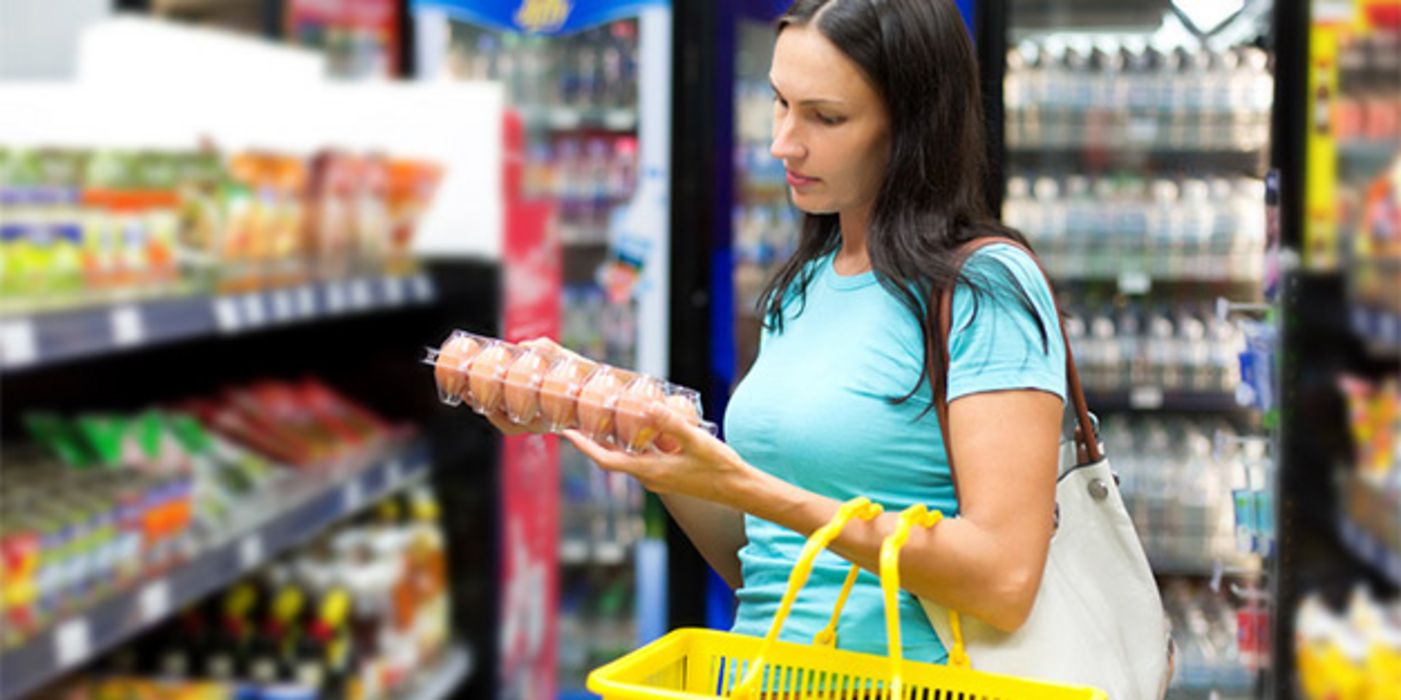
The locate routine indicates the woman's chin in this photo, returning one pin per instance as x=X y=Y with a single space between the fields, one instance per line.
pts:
x=808 y=204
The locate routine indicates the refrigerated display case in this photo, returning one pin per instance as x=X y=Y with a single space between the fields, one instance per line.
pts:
x=591 y=85
x=1340 y=627
x=1135 y=149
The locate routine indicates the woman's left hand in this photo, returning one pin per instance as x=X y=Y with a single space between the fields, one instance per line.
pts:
x=696 y=464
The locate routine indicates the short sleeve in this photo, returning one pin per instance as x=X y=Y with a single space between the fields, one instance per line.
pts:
x=998 y=343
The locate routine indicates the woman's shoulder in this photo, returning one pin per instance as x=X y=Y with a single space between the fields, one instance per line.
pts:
x=1003 y=266
x=1003 y=254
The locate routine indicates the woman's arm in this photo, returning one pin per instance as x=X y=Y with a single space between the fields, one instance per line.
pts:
x=986 y=563
x=716 y=530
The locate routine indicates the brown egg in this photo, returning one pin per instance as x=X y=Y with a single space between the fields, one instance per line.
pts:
x=523 y=386
x=635 y=427
x=451 y=367
x=485 y=378
x=559 y=392
x=684 y=405
x=596 y=403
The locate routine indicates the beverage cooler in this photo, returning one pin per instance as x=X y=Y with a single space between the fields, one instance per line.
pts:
x=584 y=563
x=1134 y=152
x=1340 y=594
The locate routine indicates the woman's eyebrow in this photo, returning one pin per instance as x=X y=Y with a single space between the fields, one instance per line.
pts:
x=812 y=101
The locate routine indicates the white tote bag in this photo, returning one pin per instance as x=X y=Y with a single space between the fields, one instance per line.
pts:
x=1097 y=619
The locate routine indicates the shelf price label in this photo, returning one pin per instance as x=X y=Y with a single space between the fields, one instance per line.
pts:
x=253 y=311
x=394 y=291
x=335 y=297
x=18 y=345
x=423 y=287
x=250 y=552
x=226 y=316
x=394 y=474
x=360 y=294
x=72 y=642
x=353 y=496
x=1387 y=327
x=306 y=301
x=153 y=603
x=1146 y=397
x=282 y=305
x=128 y=328
x=1135 y=283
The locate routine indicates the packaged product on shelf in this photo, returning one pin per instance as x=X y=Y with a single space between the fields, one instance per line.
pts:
x=547 y=391
x=361 y=612
x=1206 y=631
x=1177 y=480
x=306 y=425
x=1188 y=229
x=1374 y=419
x=1352 y=654
x=100 y=502
x=1138 y=97
x=83 y=226
x=1189 y=350
x=409 y=194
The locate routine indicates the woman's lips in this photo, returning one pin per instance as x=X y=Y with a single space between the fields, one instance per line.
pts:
x=797 y=180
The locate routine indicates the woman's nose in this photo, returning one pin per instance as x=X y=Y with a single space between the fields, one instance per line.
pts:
x=785 y=145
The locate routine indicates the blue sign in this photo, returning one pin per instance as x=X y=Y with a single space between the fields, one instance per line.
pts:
x=764 y=10
x=551 y=17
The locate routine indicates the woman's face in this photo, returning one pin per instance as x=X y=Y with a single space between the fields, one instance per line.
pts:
x=830 y=127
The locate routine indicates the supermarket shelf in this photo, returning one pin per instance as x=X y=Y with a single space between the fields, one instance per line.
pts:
x=575 y=552
x=1067 y=158
x=305 y=508
x=1133 y=282
x=1370 y=549
x=1211 y=692
x=1378 y=327
x=1151 y=398
x=444 y=680
x=575 y=694
x=1164 y=564
x=573 y=119
x=53 y=337
x=1369 y=154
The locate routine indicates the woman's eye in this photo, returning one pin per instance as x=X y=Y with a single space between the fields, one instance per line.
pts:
x=829 y=120
x=780 y=102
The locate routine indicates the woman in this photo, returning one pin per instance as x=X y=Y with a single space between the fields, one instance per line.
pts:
x=877 y=119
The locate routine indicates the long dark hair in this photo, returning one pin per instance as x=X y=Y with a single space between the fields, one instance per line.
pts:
x=917 y=55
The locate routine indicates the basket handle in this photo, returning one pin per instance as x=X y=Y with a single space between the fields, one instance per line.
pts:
x=860 y=507
x=916 y=514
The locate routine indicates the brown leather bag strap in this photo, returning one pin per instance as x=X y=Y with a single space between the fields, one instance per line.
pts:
x=1087 y=443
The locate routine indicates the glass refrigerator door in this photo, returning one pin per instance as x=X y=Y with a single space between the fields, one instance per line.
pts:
x=1136 y=141
x=591 y=83
x=1346 y=621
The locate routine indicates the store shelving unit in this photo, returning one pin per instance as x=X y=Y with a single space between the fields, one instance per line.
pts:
x=302 y=509
x=1152 y=398
x=1143 y=207
x=1340 y=520
x=1379 y=328
x=1370 y=549
x=44 y=338
x=451 y=673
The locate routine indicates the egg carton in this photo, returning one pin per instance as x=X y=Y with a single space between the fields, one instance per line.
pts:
x=550 y=391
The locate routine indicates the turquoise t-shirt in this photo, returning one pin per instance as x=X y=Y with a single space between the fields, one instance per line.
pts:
x=814 y=411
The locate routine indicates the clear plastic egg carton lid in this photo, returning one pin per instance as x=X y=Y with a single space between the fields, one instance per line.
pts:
x=548 y=390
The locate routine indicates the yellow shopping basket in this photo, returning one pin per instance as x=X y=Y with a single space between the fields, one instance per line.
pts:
x=694 y=664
